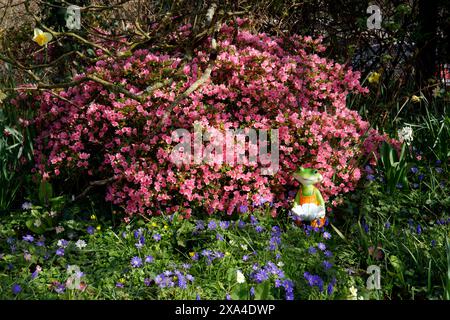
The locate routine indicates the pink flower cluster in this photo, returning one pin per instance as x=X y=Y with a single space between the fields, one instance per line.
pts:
x=258 y=81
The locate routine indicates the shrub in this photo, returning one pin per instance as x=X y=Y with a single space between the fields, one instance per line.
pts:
x=257 y=81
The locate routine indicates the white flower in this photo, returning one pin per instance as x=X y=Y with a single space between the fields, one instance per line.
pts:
x=280 y=264
x=244 y=246
x=62 y=243
x=27 y=205
x=41 y=37
x=52 y=214
x=353 y=293
x=405 y=134
x=72 y=268
x=59 y=229
x=37 y=223
x=240 y=278
x=80 y=244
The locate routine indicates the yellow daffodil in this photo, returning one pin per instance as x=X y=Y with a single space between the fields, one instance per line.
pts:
x=227 y=253
x=154 y=224
x=41 y=37
x=93 y=217
x=122 y=280
x=415 y=99
x=166 y=227
x=99 y=227
x=374 y=77
x=191 y=254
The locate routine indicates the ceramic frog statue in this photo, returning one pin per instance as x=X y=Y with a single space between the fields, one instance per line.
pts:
x=308 y=203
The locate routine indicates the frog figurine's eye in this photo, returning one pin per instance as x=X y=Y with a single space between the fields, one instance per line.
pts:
x=315 y=171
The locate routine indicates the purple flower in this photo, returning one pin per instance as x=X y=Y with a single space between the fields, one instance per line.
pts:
x=414 y=170
x=157 y=237
x=182 y=282
x=90 y=230
x=199 y=225
x=40 y=244
x=327 y=265
x=228 y=297
x=259 y=229
x=148 y=259
x=314 y=280
x=321 y=246
x=243 y=209
x=241 y=224
x=253 y=220
x=219 y=237
x=136 y=262
x=289 y=288
x=326 y=235
x=245 y=258
x=439 y=170
x=419 y=229
x=195 y=256
x=60 y=288
x=328 y=253
x=212 y=225
x=415 y=186
x=119 y=285
x=60 y=252
x=63 y=243
x=399 y=186
x=252 y=291
x=433 y=243
x=189 y=278
x=34 y=274
x=16 y=289
x=137 y=233
x=312 y=250
x=197 y=297
x=147 y=282
x=368 y=169
x=330 y=289
x=139 y=245
x=387 y=225
x=28 y=238
x=224 y=224
x=420 y=177
x=370 y=177
x=261 y=276
x=124 y=234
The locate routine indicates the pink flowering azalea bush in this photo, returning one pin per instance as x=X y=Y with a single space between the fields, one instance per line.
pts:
x=257 y=81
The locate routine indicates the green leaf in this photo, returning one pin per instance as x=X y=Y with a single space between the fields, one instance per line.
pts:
x=262 y=291
x=240 y=292
x=45 y=192
x=338 y=232
x=396 y=263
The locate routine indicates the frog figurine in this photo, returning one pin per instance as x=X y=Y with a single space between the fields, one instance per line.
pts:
x=308 y=203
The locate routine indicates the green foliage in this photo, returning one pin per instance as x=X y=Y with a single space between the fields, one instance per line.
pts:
x=394 y=167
